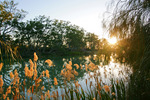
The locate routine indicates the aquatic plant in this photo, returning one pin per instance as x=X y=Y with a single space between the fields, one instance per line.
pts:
x=33 y=85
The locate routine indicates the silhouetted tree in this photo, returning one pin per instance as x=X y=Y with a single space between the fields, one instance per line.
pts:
x=9 y=16
x=92 y=41
x=75 y=37
x=130 y=20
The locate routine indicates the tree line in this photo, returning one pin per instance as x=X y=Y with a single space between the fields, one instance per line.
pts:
x=42 y=34
x=52 y=36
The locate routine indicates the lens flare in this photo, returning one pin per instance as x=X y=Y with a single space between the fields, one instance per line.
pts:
x=112 y=40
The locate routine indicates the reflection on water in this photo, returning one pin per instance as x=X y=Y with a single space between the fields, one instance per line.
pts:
x=108 y=68
x=113 y=70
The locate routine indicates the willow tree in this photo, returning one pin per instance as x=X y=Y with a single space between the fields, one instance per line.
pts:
x=9 y=15
x=130 y=20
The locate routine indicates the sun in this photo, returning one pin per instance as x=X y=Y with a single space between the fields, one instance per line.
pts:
x=112 y=40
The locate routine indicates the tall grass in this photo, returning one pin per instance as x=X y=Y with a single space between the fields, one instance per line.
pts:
x=32 y=85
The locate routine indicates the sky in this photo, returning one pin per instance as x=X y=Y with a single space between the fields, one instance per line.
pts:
x=87 y=14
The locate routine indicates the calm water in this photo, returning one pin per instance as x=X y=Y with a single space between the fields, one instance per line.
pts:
x=108 y=68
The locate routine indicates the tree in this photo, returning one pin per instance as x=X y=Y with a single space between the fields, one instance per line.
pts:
x=57 y=34
x=130 y=20
x=9 y=16
x=31 y=34
x=75 y=37
x=92 y=41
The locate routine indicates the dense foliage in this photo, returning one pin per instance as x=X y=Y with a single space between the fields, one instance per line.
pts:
x=42 y=34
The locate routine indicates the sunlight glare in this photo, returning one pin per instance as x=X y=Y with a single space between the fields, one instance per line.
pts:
x=112 y=40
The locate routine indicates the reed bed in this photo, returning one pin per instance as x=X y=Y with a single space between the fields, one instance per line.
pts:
x=32 y=86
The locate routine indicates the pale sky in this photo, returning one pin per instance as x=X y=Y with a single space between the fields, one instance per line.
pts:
x=87 y=14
